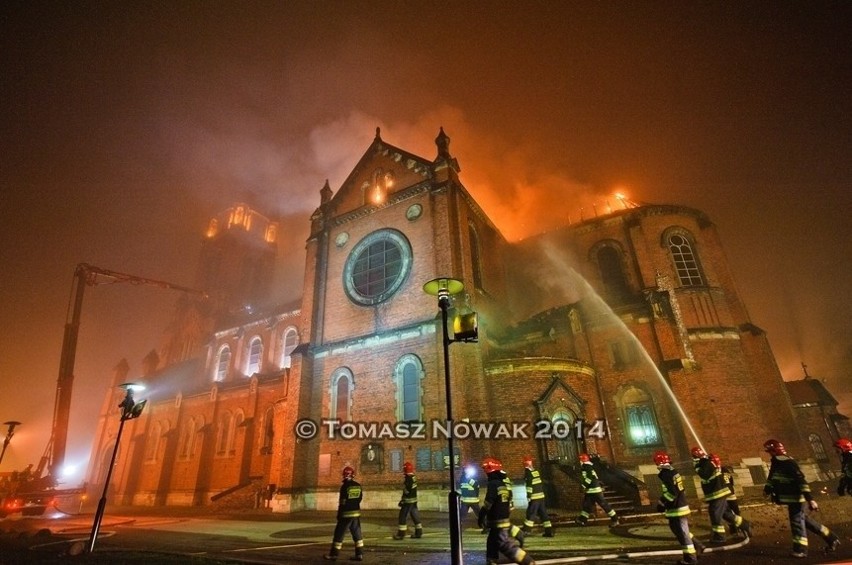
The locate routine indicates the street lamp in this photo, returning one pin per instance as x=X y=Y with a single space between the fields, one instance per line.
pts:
x=130 y=409
x=443 y=288
x=9 y=433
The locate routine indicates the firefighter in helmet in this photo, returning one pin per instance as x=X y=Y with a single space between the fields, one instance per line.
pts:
x=494 y=515
x=469 y=492
x=593 y=493
x=786 y=485
x=536 y=504
x=844 y=448
x=408 y=505
x=674 y=506
x=348 y=517
x=728 y=478
x=716 y=494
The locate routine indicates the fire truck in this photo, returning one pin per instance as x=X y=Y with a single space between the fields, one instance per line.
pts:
x=31 y=491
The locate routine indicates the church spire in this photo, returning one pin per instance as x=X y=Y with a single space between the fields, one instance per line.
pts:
x=443 y=143
x=325 y=192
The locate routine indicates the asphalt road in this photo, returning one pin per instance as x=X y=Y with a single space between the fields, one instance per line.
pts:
x=184 y=536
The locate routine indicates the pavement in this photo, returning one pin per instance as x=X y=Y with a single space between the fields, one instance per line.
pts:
x=181 y=535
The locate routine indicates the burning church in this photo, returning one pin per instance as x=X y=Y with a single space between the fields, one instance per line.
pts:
x=617 y=335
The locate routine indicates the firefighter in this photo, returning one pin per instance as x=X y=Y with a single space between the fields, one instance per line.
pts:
x=593 y=493
x=469 y=492
x=716 y=494
x=348 y=517
x=786 y=485
x=844 y=448
x=728 y=478
x=675 y=508
x=494 y=515
x=536 y=505
x=408 y=505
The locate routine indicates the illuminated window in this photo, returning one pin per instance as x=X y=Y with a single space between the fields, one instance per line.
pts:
x=817 y=447
x=223 y=362
x=407 y=375
x=271 y=233
x=475 y=257
x=377 y=267
x=289 y=342
x=341 y=395
x=642 y=426
x=255 y=356
x=564 y=430
x=685 y=260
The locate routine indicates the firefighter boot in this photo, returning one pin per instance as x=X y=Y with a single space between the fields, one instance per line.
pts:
x=359 y=554
x=549 y=533
x=581 y=520
x=614 y=521
x=332 y=554
x=745 y=528
x=400 y=534
x=418 y=532
x=832 y=542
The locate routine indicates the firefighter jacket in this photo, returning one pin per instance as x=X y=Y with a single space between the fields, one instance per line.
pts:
x=712 y=483
x=728 y=480
x=409 y=490
x=349 y=504
x=498 y=502
x=673 y=499
x=535 y=488
x=786 y=482
x=470 y=491
x=589 y=479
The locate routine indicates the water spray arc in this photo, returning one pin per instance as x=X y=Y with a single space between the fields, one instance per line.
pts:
x=599 y=306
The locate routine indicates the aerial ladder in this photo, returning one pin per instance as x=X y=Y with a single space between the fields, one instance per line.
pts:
x=85 y=275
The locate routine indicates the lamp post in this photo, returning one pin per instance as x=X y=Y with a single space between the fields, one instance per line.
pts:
x=130 y=409
x=9 y=433
x=443 y=288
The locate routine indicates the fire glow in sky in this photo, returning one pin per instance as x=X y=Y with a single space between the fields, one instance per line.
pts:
x=125 y=127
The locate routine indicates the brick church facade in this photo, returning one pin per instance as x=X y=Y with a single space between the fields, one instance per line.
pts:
x=618 y=335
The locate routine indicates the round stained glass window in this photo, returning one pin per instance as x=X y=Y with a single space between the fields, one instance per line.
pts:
x=377 y=267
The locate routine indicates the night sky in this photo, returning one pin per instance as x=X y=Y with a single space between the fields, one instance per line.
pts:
x=126 y=125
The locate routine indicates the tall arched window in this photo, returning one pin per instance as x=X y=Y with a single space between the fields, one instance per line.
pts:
x=289 y=342
x=475 y=256
x=268 y=431
x=222 y=432
x=611 y=265
x=640 y=418
x=684 y=258
x=817 y=447
x=186 y=445
x=255 y=356
x=342 y=383
x=407 y=376
x=152 y=446
x=223 y=363
x=566 y=442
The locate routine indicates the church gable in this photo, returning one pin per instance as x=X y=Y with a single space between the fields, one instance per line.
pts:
x=381 y=172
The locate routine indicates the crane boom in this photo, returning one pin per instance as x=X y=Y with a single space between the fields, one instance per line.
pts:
x=84 y=274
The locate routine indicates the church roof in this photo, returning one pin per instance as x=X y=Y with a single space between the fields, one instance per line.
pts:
x=809 y=392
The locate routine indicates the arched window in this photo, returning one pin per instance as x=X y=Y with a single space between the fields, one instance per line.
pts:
x=377 y=266
x=289 y=342
x=268 y=431
x=566 y=442
x=342 y=383
x=236 y=424
x=407 y=376
x=186 y=445
x=817 y=447
x=222 y=433
x=640 y=418
x=255 y=356
x=611 y=265
x=684 y=258
x=223 y=363
x=475 y=256
x=152 y=446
